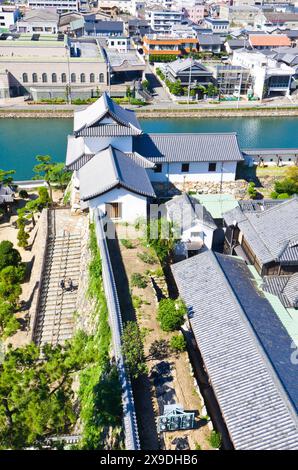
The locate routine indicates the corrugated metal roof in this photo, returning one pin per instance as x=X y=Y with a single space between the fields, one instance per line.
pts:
x=161 y=148
x=111 y=168
x=234 y=325
x=271 y=233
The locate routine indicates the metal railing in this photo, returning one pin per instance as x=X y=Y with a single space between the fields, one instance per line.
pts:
x=129 y=416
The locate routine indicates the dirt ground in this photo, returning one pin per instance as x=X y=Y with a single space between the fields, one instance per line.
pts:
x=9 y=232
x=181 y=388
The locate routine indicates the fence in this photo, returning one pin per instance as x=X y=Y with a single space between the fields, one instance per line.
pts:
x=129 y=415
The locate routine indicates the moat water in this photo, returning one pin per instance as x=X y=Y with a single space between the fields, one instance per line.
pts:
x=22 y=139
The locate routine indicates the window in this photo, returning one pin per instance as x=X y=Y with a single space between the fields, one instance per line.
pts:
x=54 y=78
x=73 y=78
x=34 y=78
x=44 y=78
x=63 y=77
x=212 y=167
x=158 y=168
x=194 y=234
x=101 y=78
x=25 y=78
x=114 y=210
x=92 y=78
x=185 y=167
x=83 y=79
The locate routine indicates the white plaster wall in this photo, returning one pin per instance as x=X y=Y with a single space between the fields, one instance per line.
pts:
x=198 y=171
x=95 y=144
x=133 y=205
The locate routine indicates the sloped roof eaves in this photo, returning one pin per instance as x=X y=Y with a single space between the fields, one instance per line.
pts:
x=247 y=394
x=161 y=148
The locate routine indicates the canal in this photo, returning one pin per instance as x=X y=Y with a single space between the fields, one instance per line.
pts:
x=22 y=139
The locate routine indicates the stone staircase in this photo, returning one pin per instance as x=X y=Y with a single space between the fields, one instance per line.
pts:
x=56 y=306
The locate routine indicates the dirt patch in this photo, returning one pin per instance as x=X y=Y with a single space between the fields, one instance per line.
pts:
x=181 y=385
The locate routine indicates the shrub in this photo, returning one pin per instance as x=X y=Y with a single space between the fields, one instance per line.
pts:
x=136 y=302
x=147 y=258
x=138 y=280
x=126 y=243
x=178 y=343
x=215 y=439
x=132 y=348
x=251 y=190
x=9 y=256
x=171 y=314
x=23 y=194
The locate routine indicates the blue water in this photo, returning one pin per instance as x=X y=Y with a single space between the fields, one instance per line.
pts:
x=22 y=139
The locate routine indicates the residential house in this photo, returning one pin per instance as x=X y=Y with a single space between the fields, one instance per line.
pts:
x=177 y=46
x=265 y=20
x=188 y=70
x=262 y=42
x=39 y=21
x=283 y=287
x=135 y=161
x=268 y=75
x=6 y=197
x=246 y=351
x=265 y=235
x=9 y=14
x=218 y=25
x=233 y=44
x=193 y=225
x=210 y=43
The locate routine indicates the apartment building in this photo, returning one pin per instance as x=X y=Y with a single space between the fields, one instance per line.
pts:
x=161 y=21
x=9 y=14
x=59 y=5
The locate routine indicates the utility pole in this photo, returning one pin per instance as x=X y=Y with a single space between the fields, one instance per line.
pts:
x=189 y=81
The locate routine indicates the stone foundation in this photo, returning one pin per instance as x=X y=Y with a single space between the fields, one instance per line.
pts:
x=237 y=188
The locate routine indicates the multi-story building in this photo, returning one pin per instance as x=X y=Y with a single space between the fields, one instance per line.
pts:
x=217 y=25
x=9 y=14
x=59 y=5
x=266 y=20
x=242 y=15
x=45 y=66
x=188 y=71
x=161 y=21
x=232 y=79
x=268 y=76
x=155 y=44
x=41 y=20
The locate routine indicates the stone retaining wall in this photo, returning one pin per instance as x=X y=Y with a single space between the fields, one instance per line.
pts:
x=39 y=252
x=237 y=188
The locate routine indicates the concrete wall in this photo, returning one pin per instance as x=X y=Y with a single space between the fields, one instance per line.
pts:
x=133 y=205
x=198 y=171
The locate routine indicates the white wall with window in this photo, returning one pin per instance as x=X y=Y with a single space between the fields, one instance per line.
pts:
x=128 y=205
x=193 y=171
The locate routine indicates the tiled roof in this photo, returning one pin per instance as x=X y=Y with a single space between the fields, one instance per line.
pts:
x=245 y=348
x=181 y=65
x=185 y=211
x=270 y=40
x=188 y=147
x=108 y=130
x=101 y=108
x=272 y=234
x=284 y=287
x=112 y=168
